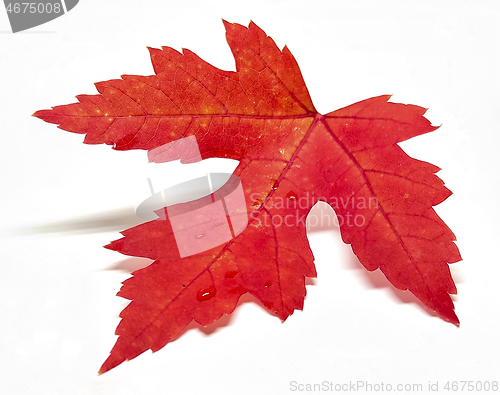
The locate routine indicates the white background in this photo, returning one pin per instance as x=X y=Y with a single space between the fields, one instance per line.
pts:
x=62 y=200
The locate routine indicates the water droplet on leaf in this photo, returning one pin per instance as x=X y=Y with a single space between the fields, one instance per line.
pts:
x=205 y=294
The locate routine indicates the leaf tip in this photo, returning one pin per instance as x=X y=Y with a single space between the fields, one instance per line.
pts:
x=151 y=50
x=41 y=114
x=452 y=318
x=110 y=363
x=114 y=245
x=227 y=24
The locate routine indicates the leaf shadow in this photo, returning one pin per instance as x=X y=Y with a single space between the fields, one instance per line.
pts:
x=225 y=321
x=101 y=222
x=371 y=280
x=376 y=280
x=130 y=265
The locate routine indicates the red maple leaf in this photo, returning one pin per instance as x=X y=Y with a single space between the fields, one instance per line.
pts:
x=290 y=157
